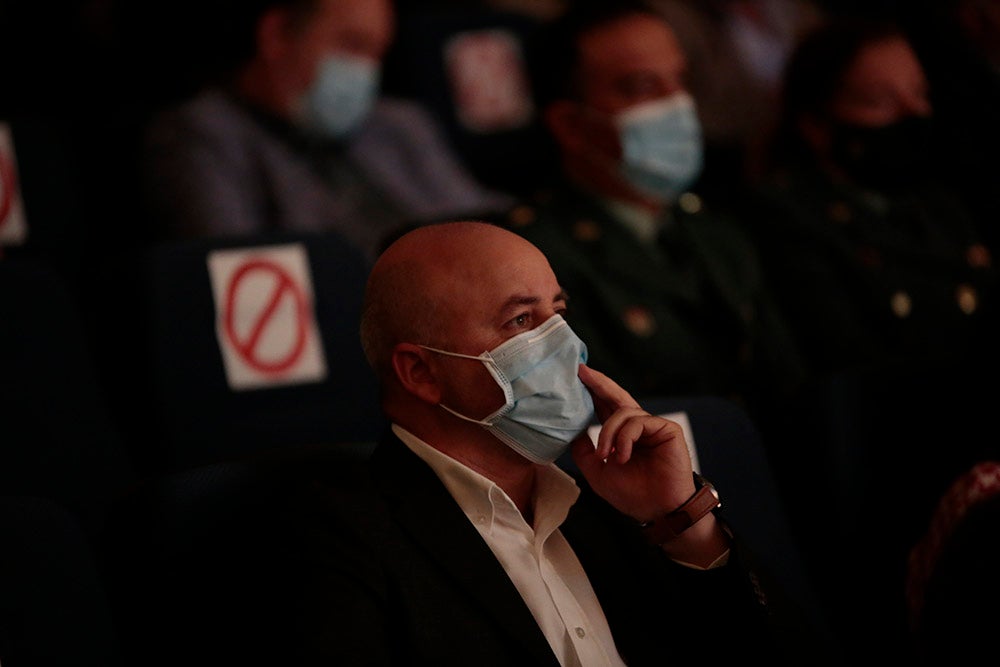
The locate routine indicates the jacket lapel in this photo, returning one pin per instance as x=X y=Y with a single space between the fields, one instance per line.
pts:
x=430 y=517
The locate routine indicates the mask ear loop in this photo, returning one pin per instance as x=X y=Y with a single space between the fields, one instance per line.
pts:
x=498 y=377
x=482 y=422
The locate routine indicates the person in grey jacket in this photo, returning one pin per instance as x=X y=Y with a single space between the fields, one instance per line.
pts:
x=296 y=137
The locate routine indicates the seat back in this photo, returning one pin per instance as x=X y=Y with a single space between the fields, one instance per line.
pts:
x=58 y=439
x=188 y=557
x=254 y=344
x=54 y=607
x=466 y=65
x=951 y=570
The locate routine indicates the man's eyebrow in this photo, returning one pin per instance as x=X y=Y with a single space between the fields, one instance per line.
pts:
x=518 y=301
x=521 y=300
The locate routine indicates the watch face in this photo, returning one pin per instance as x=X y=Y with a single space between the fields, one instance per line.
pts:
x=701 y=481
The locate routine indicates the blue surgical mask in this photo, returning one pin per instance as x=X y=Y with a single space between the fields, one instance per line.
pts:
x=546 y=405
x=661 y=146
x=341 y=95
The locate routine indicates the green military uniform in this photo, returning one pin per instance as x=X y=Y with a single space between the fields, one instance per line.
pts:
x=685 y=313
x=890 y=301
x=866 y=279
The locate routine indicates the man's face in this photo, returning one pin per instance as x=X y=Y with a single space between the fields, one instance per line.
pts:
x=633 y=60
x=884 y=84
x=493 y=292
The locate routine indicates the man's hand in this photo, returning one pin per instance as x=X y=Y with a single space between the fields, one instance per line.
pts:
x=641 y=464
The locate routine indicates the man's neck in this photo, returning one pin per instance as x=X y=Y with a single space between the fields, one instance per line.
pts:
x=507 y=469
x=604 y=184
x=475 y=448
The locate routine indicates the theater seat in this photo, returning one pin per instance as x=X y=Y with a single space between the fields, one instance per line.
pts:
x=188 y=557
x=54 y=608
x=58 y=439
x=951 y=571
x=466 y=65
x=253 y=344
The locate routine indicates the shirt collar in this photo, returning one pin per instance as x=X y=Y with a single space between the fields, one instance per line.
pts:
x=641 y=222
x=481 y=498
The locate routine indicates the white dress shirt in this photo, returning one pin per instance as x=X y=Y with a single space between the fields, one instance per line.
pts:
x=538 y=559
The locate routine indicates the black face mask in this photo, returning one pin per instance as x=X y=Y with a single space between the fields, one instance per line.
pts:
x=888 y=158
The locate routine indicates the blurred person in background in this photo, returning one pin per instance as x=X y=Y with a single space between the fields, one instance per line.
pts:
x=665 y=285
x=891 y=291
x=873 y=255
x=297 y=137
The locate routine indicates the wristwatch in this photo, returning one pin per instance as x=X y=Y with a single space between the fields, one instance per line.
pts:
x=670 y=525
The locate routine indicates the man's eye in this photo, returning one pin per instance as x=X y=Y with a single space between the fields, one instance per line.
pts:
x=522 y=320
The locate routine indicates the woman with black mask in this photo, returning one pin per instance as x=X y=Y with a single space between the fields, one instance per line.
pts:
x=882 y=273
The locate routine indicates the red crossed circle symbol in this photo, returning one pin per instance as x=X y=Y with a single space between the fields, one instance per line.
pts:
x=285 y=287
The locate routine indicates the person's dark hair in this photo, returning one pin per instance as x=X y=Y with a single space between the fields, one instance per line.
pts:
x=815 y=72
x=552 y=51
x=234 y=28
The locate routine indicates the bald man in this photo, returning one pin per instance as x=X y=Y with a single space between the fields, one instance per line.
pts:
x=464 y=543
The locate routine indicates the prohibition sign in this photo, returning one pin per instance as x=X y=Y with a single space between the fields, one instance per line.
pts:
x=247 y=345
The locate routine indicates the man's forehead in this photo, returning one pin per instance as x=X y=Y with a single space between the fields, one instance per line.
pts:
x=648 y=38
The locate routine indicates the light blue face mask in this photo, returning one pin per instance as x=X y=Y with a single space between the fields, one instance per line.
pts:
x=341 y=96
x=546 y=405
x=661 y=146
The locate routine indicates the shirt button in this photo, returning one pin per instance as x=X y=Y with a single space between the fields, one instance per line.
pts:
x=580 y=632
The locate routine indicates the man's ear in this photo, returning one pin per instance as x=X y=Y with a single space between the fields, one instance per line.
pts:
x=273 y=34
x=411 y=365
x=563 y=118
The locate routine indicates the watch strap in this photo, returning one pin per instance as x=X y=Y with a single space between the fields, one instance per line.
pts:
x=670 y=525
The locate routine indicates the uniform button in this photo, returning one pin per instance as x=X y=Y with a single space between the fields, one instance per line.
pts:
x=967 y=298
x=521 y=216
x=839 y=212
x=901 y=304
x=639 y=321
x=581 y=633
x=690 y=203
x=586 y=230
x=978 y=256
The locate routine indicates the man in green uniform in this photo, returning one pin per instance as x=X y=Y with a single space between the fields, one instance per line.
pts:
x=665 y=288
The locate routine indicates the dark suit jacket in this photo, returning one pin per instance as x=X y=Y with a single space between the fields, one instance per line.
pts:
x=384 y=568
